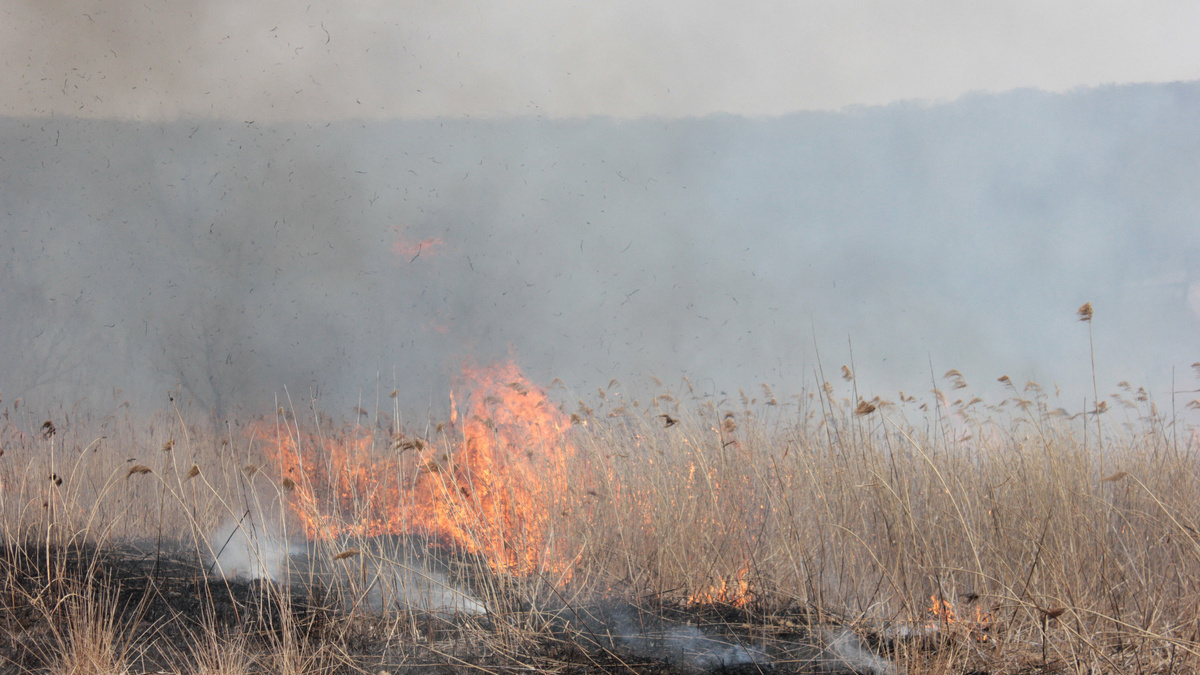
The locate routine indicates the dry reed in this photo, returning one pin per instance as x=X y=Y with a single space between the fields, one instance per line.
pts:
x=1003 y=529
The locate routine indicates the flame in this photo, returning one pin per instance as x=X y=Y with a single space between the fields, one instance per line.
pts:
x=733 y=591
x=497 y=493
x=491 y=485
x=943 y=615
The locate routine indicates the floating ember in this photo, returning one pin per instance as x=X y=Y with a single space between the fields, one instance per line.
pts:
x=409 y=250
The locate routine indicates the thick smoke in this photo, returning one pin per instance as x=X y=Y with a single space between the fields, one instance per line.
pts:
x=225 y=262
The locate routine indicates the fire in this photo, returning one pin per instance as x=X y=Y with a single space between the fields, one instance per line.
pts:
x=943 y=615
x=490 y=485
x=496 y=493
x=728 y=591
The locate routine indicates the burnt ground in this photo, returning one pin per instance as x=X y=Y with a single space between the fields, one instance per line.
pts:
x=160 y=605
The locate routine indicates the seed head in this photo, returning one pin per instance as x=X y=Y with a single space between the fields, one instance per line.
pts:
x=1085 y=312
x=139 y=469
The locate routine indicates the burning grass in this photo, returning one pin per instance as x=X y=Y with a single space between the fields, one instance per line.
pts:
x=682 y=534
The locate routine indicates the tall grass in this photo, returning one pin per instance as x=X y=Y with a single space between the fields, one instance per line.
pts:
x=851 y=508
x=1003 y=532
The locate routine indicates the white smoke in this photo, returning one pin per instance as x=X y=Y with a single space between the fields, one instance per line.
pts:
x=689 y=647
x=250 y=547
x=845 y=651
x=384 y=576
x=414 y=583
x=684 y=645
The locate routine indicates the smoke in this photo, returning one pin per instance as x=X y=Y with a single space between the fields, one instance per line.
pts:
x=272 y=60
x=845 y=651
x=387 y=573
x=412 y=576
x=230 y=264
x=716 y=647
x=690 y=648
x=245 y=551
x=251 y=547
x=682 y=645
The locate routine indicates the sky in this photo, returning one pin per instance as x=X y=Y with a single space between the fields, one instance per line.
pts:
x=385 y=59
x=224 y=199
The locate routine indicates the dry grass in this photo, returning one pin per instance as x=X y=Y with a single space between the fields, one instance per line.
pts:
x=959 y=536
x=1005 y=509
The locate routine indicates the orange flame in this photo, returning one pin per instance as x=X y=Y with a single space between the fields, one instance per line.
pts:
x=728 y=591
x=506 y=474
x=490 y=486
x=943 y=615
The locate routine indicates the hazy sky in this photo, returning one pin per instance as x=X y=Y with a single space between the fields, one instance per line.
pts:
x=229 y=198
x=227 y=260
x=272 y=60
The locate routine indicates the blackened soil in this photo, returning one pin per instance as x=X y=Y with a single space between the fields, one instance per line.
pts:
x=144 y=593
x=160 y=601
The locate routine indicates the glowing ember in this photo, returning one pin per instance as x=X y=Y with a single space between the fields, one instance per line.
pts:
x=728 y=591
x=490 y=485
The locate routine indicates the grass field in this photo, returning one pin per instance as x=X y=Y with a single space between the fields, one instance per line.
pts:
x=821 y=532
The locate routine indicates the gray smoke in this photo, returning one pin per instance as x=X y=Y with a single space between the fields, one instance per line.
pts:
x=224 y=262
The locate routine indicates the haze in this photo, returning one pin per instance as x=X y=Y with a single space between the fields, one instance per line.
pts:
x=274 y=60
x=342 y=199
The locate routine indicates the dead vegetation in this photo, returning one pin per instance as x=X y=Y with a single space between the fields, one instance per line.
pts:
x=823 y=533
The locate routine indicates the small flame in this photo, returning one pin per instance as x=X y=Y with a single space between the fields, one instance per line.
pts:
x=944 y=616
x=734 y=591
